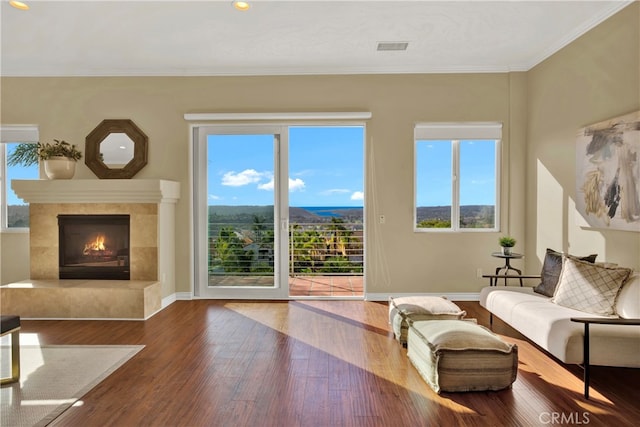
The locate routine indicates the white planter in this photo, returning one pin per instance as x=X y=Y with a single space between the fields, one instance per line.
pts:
x=59 y=168
x=506 y=250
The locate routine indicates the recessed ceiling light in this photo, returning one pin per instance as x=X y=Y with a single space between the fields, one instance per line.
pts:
x=241 y=5
x=392 y=45
x=19 y=5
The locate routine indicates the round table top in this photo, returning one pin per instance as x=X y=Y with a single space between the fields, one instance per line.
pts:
x=512 y=255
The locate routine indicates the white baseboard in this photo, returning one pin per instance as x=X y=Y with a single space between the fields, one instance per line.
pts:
x=168 y=300
x=451 y=296
x=184 y=296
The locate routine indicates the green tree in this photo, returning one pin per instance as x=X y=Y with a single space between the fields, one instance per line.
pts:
x=230 y=249
x=25 y=154
x=434 y=223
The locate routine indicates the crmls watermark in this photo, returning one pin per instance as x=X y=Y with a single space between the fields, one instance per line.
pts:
x=576 y=418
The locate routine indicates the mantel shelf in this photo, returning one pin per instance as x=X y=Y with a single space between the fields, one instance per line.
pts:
x=97 y=191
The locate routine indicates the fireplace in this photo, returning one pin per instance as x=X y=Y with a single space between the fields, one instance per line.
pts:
x=94 y=247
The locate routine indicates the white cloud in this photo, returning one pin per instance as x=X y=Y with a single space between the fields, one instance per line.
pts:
x=296 y=184
x=268 y=186
x=333 y=191
x=247 y=176
x=304 y=172
x=357 y=195
x=214 y=197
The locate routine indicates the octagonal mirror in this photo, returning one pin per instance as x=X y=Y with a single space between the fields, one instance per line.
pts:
x=116 y=149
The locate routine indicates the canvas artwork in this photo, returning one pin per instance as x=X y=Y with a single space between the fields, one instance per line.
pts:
x=608 y=173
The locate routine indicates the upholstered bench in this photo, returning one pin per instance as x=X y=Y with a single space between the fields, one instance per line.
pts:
x=10 y=324
x=459 y=355
x=415 y=308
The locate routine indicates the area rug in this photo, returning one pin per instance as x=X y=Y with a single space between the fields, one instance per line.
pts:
x=53 y=378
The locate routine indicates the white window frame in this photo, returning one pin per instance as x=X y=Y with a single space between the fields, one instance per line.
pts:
x=12 y=134
x=457 y=132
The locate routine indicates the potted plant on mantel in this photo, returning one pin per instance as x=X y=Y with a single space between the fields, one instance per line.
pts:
x=59 y=157
x=507 y=242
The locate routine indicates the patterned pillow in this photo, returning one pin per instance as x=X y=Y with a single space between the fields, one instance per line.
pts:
x=589 y=287
x=551 y=269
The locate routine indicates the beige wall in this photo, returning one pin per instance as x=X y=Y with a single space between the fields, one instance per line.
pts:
x=398 y=259
x=595 y=78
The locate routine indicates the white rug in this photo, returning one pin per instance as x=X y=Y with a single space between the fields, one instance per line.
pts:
x=52 y=378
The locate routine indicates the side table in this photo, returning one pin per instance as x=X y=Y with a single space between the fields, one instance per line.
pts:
x=585 y=349
x=506 y=267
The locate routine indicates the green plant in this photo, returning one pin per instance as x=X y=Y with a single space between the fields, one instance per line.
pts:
x=507 y=242
x=58 y=149
x=28 y=154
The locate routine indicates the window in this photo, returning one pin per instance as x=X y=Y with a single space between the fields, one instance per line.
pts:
x=14 y=213
x=457 y=177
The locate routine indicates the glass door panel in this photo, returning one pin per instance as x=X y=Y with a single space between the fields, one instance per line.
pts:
x=241 y=211
x=326 y=204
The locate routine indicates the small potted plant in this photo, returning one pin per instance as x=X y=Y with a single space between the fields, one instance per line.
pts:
x=507 y=242
x=59 y=159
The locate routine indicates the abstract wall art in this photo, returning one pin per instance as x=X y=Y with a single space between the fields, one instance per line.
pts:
x=608 y=173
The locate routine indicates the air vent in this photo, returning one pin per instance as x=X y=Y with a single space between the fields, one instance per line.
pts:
x=392 y=46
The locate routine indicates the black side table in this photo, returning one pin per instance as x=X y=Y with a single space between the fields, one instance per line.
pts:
x=585 y=348
x=507 y=266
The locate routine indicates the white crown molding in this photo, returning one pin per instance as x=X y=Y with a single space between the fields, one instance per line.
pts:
x=595 y=20
x=257 y=71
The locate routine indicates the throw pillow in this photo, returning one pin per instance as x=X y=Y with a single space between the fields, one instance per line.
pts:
x=588 y=287
x=628 y=300
x=551 y=268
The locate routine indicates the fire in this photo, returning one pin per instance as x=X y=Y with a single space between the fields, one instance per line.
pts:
x=95 y=246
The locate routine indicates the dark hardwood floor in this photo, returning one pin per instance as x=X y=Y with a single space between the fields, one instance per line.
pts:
x=314 y=363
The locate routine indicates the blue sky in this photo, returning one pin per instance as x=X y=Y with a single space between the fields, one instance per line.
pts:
x=477 y=173
x=18 y=173
x=325 y=168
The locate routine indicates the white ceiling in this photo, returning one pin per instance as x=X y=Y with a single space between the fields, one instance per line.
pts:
x=186 y=38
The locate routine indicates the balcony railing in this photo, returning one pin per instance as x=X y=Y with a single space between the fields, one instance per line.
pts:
x=328 y=248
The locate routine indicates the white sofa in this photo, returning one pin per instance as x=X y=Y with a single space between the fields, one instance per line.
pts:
x=549 y=326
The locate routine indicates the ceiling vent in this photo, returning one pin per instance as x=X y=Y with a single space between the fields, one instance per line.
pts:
x=392 y=46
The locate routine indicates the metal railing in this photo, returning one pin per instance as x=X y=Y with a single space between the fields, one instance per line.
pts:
x=326 y=248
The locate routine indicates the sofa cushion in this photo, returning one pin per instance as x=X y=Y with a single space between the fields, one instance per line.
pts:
x=628 y=300
x=588 y=287
x=551 y=268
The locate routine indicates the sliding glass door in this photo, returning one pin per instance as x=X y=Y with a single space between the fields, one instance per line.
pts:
x=250 y=241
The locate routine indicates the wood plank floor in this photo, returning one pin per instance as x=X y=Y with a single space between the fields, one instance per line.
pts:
x=314 y=363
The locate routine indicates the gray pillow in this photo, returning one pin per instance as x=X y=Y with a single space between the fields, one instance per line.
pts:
x=551 y=268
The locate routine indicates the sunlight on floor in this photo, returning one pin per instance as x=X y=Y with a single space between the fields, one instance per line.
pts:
x=351 y=332
x=26 y=339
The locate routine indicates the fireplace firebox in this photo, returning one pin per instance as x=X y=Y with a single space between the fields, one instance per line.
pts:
x=94 y=247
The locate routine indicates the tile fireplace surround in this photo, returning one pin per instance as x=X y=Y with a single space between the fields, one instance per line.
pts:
x=151 y=207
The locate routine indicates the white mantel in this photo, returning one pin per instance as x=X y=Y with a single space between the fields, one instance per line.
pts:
x=97 y=190
x=150 y=203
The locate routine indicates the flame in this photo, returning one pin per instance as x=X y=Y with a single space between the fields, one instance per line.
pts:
x=94 y=246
